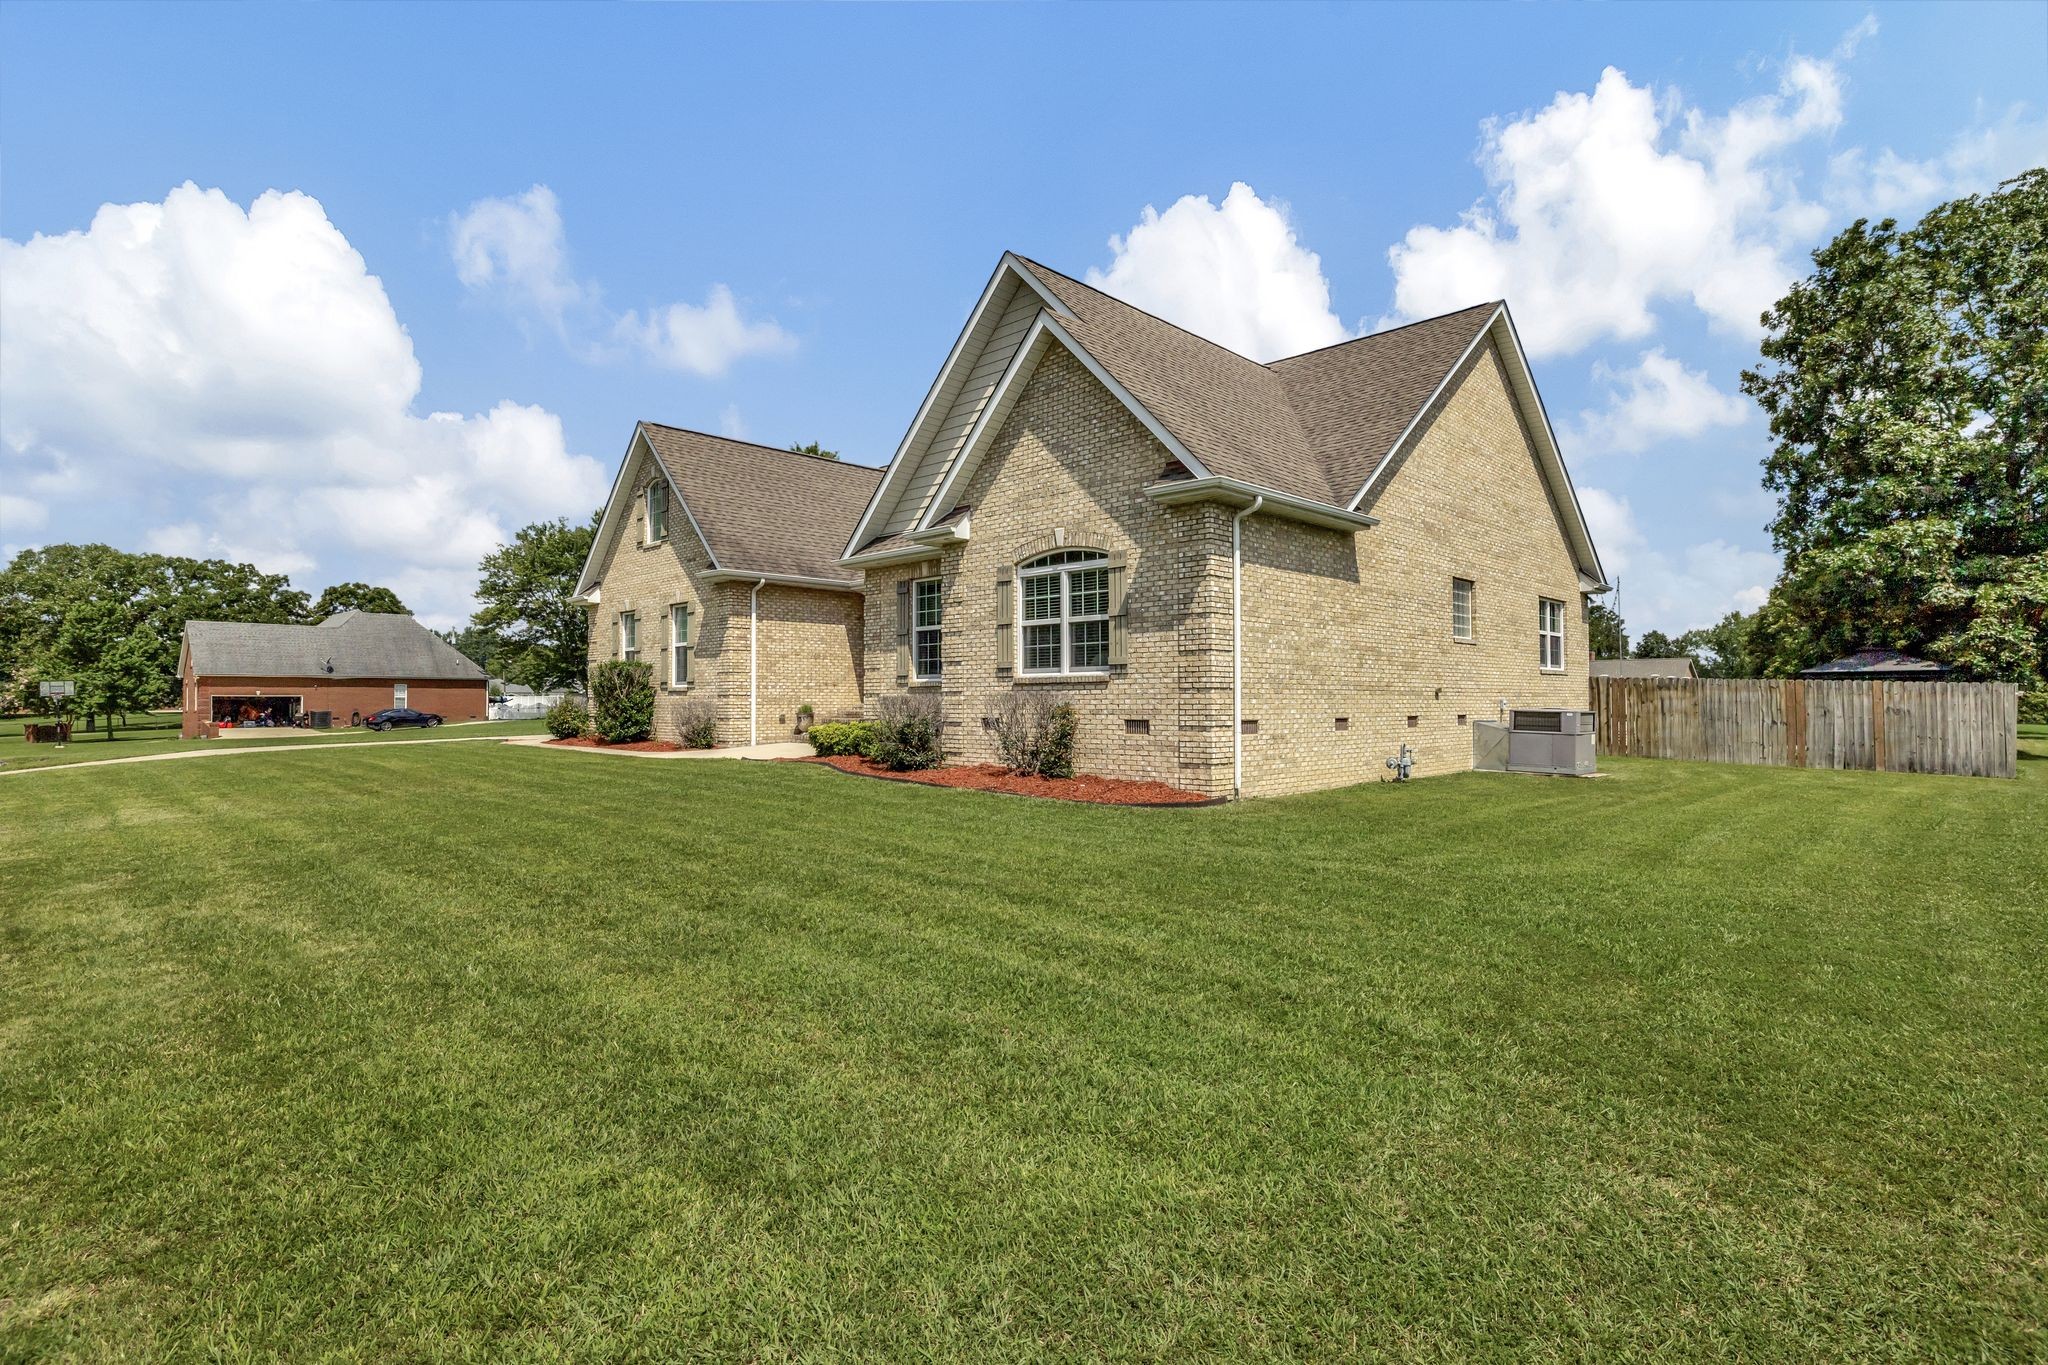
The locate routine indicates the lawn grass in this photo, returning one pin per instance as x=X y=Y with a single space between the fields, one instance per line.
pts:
x=152 y=733
x=477 y=1052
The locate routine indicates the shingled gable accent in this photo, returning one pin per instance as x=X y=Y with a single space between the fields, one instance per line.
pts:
x=761 y=512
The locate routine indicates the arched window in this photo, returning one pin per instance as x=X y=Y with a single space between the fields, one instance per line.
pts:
x=1063 y=605
x=657 y=512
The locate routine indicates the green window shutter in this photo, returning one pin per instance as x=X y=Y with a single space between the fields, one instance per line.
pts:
x=903 y=631
x=1006 y=598
x=1119 y=641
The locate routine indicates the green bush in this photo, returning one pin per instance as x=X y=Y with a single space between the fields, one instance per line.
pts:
x=697 y=724
x=622 y=701
x=1034 y=737
x=833 y=738
x=2034 y=707
x=911 y=732
x=566 y=720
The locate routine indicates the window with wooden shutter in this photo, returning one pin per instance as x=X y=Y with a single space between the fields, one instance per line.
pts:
x=1006 y=604
x=903 y=631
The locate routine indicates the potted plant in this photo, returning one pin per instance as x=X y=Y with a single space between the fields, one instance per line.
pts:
x=804 y=714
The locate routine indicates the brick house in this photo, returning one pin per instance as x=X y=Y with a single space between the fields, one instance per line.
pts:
x=717 y=561
x=353 y=663
x=1247 y=578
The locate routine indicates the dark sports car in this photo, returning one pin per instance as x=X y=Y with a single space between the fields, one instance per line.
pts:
x=400 y=715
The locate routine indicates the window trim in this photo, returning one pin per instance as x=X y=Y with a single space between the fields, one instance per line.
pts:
x=653 y=488
x=1471 y=632
x=629 y=635
x=1545 y=635
x=401 y=696
x=679 y=648
x=1063 y=569
x=938 y=630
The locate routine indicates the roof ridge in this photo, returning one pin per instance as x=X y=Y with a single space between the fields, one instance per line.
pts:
x=1387 y=331
x=1126 y=303
x=756 y=445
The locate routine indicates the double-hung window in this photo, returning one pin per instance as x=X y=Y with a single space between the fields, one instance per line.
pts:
x=629 y=636
x=927 y=630
x=679 y=645
x=1461 y=608
x=1550 y=634
x=657 y=512
x=1065 y=612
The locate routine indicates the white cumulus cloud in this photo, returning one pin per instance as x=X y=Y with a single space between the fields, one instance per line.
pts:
x=237 y=381
x=1232 y=272
x=1657 y=399
x=1885 y=183
x=1605 y=205
x=1673 y=588
x=516 y=249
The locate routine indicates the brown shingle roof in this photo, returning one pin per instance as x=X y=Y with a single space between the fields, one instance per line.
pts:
x=1355 y=399
x=764 y=510
x=1316 y=425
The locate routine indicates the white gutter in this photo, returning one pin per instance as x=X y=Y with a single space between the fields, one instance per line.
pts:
x=790 y=580
x=754 y=664
x=1237 y=645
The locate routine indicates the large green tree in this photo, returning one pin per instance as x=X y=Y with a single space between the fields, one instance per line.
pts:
x=1906 y=381
x=1724 y=649
x=1655 y=644
x=357 y=597
x=528 y=592
x=61 y=606
x=1606 y=632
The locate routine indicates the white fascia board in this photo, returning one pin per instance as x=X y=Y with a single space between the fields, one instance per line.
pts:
x=1007 y=267
x=1238 y=493
x=614 y=505
x=788 y=580
x=1519 y=361
x=908 y=554
x=1045 y=330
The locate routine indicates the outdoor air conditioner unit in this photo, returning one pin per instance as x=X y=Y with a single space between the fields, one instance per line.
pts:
x=1551 y=741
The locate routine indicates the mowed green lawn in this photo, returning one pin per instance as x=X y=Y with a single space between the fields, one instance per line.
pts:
x=473 y=1052
x=150 y=732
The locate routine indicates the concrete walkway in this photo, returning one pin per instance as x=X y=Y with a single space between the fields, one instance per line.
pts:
x=313 y=746
x=790 y=749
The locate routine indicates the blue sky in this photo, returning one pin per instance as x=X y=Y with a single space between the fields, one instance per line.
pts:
x=545 y=223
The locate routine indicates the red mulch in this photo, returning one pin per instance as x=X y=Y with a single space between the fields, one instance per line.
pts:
x=990 y=777
x=638 y=746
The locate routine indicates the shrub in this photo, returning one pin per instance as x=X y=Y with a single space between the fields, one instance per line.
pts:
x=565 y=719
x=1035 y=737
x=846 y=737
x=2034 y=707
x=697 y=724
x=622 y=701
x=911 y=732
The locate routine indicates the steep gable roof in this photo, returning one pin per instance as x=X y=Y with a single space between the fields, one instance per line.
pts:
x=1310 y=434
x=758 y=509
x=349 y=644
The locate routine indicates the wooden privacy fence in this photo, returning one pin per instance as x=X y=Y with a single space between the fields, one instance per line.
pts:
x=1964 y=729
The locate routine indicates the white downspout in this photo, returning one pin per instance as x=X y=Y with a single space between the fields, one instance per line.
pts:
x=1237 y=645
x=754 y=664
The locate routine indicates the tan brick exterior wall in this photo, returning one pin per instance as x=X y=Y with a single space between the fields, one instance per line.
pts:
x=809 y=637
x=1070 y=458
x=1360 y=627
x=1335 y=624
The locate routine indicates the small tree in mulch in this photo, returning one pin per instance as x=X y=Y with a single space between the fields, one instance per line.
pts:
x=622 y=701
x=911 y=730
x=566 y=719
x=1035 y=736
x=697 y=724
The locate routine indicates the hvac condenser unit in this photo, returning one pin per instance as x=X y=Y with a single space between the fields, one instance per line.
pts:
x=1545 y=741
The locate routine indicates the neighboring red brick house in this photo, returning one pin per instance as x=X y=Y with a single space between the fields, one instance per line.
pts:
x=351 y=664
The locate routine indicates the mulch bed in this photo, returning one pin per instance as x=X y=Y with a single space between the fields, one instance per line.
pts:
x=638 y=746
x=990 y=777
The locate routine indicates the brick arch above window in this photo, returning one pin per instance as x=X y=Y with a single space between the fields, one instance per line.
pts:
x=1062 y=538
